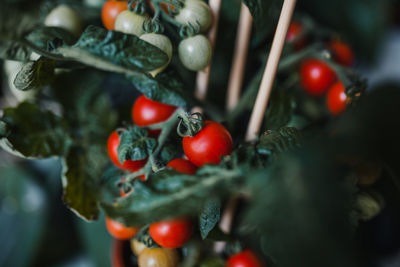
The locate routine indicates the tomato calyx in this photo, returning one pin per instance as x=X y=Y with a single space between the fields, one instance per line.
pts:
x=190 y=124
x=137 y=6
x=144 y=237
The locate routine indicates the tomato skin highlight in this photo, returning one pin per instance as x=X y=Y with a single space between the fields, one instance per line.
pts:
x=336 y=99
x=171 y=233
x=246 y=258
x=146 y=112
x=158 y=257
x=112 y=148
x=120 y=231
x=316 y=76
x=209 y=144
x=342 y=53
x=183 y=166
x=110 y=11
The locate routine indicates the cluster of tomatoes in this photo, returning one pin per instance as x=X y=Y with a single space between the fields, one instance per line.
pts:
x=207 y=146
x=317 y=77
x=194 y=50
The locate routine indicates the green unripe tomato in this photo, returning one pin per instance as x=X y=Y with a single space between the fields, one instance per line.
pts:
x=129 y=22
x=162 y=42
x=65 y=17
x=195 y=52
x=195 y=12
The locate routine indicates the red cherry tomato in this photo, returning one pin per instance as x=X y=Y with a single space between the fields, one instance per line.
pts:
x=316 y=76
x=246 y=258
x=293 y=34
x=336 y=98
x=146 y=112
x=117 y=257
x=120 y=231
x=209 y=144
x=110 y=11
x=183 y=166
x=112 y=148
x=342 y=52
x=171 y=233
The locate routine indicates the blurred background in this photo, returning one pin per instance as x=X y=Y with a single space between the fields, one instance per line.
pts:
x=36 y=229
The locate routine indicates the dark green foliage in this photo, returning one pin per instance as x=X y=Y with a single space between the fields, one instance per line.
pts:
x=35 y=74
x=135 y=144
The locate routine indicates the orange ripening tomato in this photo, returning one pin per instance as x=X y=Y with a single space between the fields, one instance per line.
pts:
x=120 y=231
x=110 y=11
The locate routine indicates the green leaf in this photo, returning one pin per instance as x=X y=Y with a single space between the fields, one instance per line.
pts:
x=35 y=74
x=135 y=144
x=80 y=180
x=300 y=202
x=14 y=51
x=115 y=51
x=34 y=133
x=275 y=142
x=209 y=216
x=50 y=38
x=167 y=87
x=280 y=110
x=168 y=194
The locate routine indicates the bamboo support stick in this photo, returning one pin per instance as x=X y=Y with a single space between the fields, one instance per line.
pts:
x=270 y=70
x=203 y=77
x=261 y=103
x=240 y=56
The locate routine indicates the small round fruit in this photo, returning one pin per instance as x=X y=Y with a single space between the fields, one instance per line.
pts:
x=208 y=145
x=110 y=11
x=336 y=98
x=136 y=246
x=183 y=166
x=342 y=52
x=117 y=254
x=65 y=17
x=316 y=76
x=112 y=149
x=195 y=12
x=195 y=52
x=120 y=231
x=130 y=23
x=246 y=258
x=158 y=257
x=171 y=233
x=293 y=35
x=146 y=112
x=162 y=42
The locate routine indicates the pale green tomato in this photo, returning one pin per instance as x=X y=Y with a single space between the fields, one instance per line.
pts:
x=195 y=12
x=195 y=52
x=130 y=23
x=65 y=17
x=162 y=42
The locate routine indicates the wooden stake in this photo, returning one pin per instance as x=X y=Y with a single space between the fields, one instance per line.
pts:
x=203 y=77
x=261 y=103
x=239 y=59
x=270 y=70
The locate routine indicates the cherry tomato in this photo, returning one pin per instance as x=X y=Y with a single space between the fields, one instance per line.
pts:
x=195 y=12
x=130 y=23
x=171 y=233
x=246 y=258
x=209 y=144
x=183 y=166
x=336 y=98
x=136 y=246
x=120 y=231
x=117 y=257
x=65 y=17
x=158 y=257
x=316 y=76
x=146 y=112
x=162 y=42
x=112 y=148
x=293 y=35
x=342 y=53
x=111 y=9
x=195 y=52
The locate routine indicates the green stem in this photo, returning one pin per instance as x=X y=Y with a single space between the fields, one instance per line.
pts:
x=165 y=16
